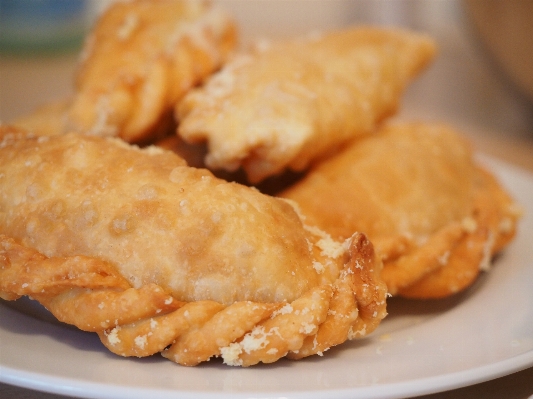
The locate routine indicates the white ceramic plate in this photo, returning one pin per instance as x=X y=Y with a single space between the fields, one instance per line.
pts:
x=422 y=347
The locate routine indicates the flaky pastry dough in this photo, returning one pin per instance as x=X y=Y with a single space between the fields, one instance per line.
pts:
x=283 y=105
x=434 y=215
x=141 y=57
x=156 y=256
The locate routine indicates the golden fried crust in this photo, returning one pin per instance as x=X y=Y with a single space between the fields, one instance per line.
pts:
x=405 y=180
x=141 y=57
x=156 y=256
x=155 y=218
x=286 y=104
x=496 y=216
x=435 y=217
x=243 y=333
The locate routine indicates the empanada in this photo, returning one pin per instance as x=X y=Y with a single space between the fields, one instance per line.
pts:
x=283 y=105
x=154 y=255
x=434 y=215
x=141 y=57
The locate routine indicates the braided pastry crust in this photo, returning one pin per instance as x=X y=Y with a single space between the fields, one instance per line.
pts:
x=187 y=265
x=90 y=294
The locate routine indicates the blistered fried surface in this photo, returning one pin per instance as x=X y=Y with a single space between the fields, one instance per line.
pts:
x=153 y=217
x=140 y=58
x=283 y=105
x=417 y=192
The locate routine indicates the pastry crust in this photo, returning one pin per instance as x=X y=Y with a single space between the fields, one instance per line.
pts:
x=140 y=59
x=434 y=215
x=150 y=253
x=283 y=105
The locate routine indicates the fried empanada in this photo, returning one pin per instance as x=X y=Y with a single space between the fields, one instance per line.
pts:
x=156 y=256
x=433 y=214
x=284 y=105
x=141 y=57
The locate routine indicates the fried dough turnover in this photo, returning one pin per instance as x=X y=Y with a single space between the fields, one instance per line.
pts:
x=433 y=214
x=156 y=256
x=284 y=105
x=140 y=59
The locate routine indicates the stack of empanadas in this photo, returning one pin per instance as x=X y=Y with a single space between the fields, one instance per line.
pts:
x=154 y=252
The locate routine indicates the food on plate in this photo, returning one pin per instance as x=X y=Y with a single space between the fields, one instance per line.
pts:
x=156 y=256
x=283 y=105
x=435 y=216
x=141 y=57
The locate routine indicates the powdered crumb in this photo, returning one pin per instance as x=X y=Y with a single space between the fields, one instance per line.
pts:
x=168 y=301
x=112 y=336
x=284 y=310
x=319 y=267
x=307 y=328
x=230 y=354
x=141 y=341
x=255 y=340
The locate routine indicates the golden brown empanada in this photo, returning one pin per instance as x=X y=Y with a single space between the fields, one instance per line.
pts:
x=156 y=256
x=433 y=214
x=141 y=57
x=283 y=105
